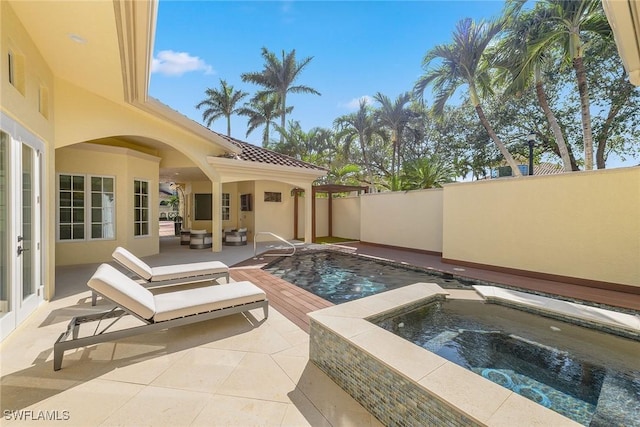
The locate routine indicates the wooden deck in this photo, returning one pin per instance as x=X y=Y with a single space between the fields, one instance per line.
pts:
x=291 y=301
x=294 y=302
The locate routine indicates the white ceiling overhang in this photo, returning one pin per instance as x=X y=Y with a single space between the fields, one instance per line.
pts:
x=231 y=170
x=624 y=18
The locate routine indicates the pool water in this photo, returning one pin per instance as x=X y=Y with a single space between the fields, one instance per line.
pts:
x=586 y=375
x=340 y=277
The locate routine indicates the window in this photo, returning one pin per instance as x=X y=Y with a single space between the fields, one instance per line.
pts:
x=11 y=72
x=71 y=219
x=79 y=206
x=141 y=208
x=15 y=71
x=245 y=202
x=43 y=102
x=272 y=197
x=226 y=206
x=202 y=207
x=102 y=208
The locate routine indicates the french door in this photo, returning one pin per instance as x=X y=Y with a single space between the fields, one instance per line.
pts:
x=20 y=227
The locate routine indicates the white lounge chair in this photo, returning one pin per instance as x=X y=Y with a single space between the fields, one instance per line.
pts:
x=168 y=274
x=161 y=311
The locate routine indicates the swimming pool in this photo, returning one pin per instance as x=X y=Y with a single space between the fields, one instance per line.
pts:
x=586 y=375
x=340 y=277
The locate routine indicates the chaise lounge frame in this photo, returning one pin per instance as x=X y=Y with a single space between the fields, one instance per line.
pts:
x=145 y=272
x=63 y=343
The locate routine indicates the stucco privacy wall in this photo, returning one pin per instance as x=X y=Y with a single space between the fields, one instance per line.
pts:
x=275 y=217
x=583 y=224
x=125 y=165
x=346 y=217
x=322 y=217
x=410 y=219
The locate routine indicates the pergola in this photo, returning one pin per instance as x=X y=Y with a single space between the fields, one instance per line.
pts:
x=329 y=189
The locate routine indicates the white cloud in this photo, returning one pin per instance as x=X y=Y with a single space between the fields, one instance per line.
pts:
x=354 y=104
x=172 y=63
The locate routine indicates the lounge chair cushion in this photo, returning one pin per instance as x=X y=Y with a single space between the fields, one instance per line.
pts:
x=123 y=291
x=168 y=272
x=186 y=302
x=132 y=262
x=177 y=271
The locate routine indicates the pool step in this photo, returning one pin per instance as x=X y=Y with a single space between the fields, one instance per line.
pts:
x=616 y=403
x=437 y=342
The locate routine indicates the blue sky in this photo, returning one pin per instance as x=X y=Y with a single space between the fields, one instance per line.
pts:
x=358 y=48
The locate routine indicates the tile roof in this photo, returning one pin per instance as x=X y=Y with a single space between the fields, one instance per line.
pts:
x=547 y=169
x=253 y=153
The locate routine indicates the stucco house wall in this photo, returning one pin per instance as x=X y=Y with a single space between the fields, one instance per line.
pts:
x=125 y=166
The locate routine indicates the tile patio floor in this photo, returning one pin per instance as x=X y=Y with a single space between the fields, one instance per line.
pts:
x=234 y=371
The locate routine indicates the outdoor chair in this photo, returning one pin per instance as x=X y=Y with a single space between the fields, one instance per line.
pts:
x=158 y=312
x=235 y=237
x=168 y=274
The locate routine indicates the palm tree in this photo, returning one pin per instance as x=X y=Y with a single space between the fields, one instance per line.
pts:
x=426 y=172
x=359 y=125
x=461 y=64
x=261 y=111
x=221 y=102
x=520 y=66
x=348 y=174
x=395 y=116
x=569 y=19
x=278 y=77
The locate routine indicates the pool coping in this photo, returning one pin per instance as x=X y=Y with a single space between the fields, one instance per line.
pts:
x=468 y=281
x=617 y=323
x=463 y=391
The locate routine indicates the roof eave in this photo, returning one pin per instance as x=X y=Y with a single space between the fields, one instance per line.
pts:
x=253 y=170
x=624 y=18
x=136 y=23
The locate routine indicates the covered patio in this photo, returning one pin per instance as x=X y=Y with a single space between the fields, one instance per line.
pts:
x=229 y=371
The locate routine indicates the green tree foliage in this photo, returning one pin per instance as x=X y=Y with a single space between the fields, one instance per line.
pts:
x=360 y=125
x=461 y=63
x=570 y=20
x=394 y=115
x=220 y=103
x=520 y=67
x=426 y=172
x=261 y=111
x=520 y=73
x=278 y=78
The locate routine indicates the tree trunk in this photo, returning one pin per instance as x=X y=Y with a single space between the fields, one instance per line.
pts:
x=229 y=126
x=265 y=141
x=603 y=135
x=583 y=90
x=393 y=158
x=399 y=153
x=363 y=148
x=505 y=153
x=574 y=164
x=555 y=127
x=283 y=117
